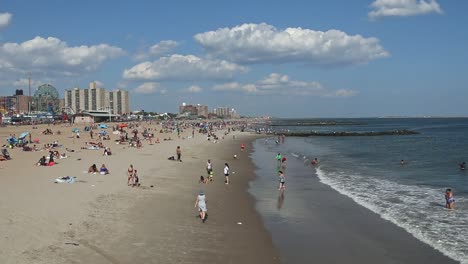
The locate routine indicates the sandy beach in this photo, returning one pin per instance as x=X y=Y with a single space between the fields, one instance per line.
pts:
x=99 y=219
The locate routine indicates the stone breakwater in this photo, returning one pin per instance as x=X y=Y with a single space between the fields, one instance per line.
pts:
x=401 y=132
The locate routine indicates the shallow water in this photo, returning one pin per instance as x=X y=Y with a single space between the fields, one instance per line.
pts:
x=368 y=170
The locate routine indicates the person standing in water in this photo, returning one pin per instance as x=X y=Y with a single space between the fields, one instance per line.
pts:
x=449 y=200
x=282 y=181
x=278 y=159
x=201 y=203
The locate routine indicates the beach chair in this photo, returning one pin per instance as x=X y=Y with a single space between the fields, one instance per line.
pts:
x=5 y=154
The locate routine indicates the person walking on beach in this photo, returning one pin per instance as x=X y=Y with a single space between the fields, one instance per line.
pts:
x=226 y=173
x=201 y=203
x=449 y=200
x=179 y=153
x=209 y=170
x=242 y=147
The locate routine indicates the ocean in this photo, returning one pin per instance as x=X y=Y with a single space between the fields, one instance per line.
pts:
x=368 y=170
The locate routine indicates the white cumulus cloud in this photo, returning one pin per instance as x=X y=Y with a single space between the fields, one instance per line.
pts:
x=163 y=48
x=5 y=19
x=150 y=88
x=263 y=43
x=183 y=68
x=383 y=8
x=282 y=85
x=53 y=55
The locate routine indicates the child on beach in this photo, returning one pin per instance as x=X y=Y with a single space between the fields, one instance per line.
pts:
x=202 y=179
x=282 y=181
x=179 y=153
x=130 y=172
x=449 y=200
x=136 y=179
x=226 y=173
x=209 y=167
x=103 y=170
x=93 y=169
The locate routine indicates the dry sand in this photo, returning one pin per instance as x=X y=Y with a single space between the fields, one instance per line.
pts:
x=99 y=219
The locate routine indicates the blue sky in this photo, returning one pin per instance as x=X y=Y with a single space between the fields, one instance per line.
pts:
x=280 y=58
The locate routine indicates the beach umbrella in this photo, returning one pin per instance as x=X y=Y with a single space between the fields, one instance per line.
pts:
x=23 y=135
x=123 y=125
x=75 y=130
x=102 y=126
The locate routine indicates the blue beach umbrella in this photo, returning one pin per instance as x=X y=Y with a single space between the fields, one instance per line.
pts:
x=23 y=135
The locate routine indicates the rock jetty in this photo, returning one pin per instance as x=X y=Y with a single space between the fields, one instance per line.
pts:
x=402 y=132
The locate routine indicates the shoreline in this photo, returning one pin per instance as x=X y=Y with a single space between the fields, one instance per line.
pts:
x=313 y=215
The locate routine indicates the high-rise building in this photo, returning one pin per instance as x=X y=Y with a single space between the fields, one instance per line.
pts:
x=226 y=112
x=96 y=98
x=15 y=104
x=202 y=110
x=119 y=101
x=193 y=110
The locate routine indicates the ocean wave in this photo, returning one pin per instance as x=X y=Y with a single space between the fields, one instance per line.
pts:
x=417 y=209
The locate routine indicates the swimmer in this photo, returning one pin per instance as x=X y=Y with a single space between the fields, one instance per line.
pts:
x=314 y=161
x=449 y=200
x=462 y=166
x=402 y=162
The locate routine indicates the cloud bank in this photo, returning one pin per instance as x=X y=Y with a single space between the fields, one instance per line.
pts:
x=263 y=43
x=183 y=68
x=278 y=84
x=383 y=8
x=53 y=55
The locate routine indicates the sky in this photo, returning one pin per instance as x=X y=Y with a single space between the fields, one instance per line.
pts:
x=360 y=58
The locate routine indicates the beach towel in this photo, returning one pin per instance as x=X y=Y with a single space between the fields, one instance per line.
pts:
x=65 y=179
